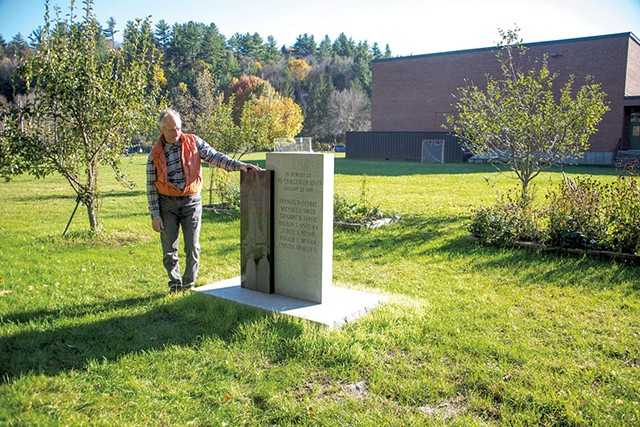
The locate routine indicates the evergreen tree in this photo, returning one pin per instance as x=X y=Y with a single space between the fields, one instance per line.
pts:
x=162 y=35
x=110 y=31
x=324 y=49
x=375 y=51
x=344 y=46
x=305 y=45
x=387 y=51
x=316 y=104
x=17 y=47
x=35 y=37
x=271 y=52
x=3 y=47
x=362 y=67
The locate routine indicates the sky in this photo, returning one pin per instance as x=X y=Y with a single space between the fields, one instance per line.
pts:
x=409 y=27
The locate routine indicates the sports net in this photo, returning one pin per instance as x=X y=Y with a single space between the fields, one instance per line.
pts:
x=433 y=150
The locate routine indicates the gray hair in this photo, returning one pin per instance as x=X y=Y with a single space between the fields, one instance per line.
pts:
x=169 y=112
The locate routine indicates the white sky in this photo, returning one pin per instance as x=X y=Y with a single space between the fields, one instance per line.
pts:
x=410 y=27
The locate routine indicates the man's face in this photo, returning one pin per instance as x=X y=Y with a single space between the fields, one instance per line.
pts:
x=171 y=129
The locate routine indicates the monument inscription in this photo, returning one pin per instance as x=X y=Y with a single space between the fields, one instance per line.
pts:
x=298 y=211
x=303 y=223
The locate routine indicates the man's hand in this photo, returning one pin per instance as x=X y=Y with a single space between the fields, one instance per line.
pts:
x=157 y=225
x=249 y=166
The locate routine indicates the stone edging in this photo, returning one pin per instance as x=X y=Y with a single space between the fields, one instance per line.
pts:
x=589 y=252
x=368 y=225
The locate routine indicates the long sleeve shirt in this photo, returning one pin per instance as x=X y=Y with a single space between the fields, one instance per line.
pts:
x=175 y=174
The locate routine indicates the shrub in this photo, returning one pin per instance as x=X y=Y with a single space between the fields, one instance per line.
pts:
x=225 y=189
x=575 y=215
x=581 y=213
x=506 y=222
x=359 y=212
x=622 y=210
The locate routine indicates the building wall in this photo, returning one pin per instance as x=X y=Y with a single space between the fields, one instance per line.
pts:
x=400 y=145
x=633 y=70
x=414 y=93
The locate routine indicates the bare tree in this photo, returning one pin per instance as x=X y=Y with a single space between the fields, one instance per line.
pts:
x=347 y=110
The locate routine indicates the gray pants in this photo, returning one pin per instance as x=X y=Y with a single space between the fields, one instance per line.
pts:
x=181 y=212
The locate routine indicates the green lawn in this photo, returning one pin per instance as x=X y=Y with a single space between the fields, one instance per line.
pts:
x=472 y=335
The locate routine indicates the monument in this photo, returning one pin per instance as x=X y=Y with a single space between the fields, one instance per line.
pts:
x=256 y=230
x=286 y=242
x=303 y=223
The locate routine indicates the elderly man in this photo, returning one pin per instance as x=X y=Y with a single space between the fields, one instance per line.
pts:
x=174 y=181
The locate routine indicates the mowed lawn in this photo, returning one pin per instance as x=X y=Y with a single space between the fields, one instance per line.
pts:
x=471 y=335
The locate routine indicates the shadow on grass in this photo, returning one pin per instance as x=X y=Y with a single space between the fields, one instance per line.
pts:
x=181 y=320
x=79 y=310
x=422 y=238
x=72 y=196
x=381 y=167
x=534 y=267
x=408 y=237
x=220 y=217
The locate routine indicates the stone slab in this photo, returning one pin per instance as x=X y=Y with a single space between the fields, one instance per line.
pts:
x=256 y=225
x=339 y=305
x=303 y=224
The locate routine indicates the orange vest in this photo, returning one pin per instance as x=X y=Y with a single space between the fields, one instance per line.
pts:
x=191 y=165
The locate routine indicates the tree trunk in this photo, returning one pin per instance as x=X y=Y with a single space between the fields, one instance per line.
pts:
x=91 y=196
x=91 y=201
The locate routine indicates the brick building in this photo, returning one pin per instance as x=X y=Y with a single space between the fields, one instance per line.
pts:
x=411 y=95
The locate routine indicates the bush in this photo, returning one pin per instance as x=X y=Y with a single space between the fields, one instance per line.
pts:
x=508 y=221
x=622 y=210
x=581 y=213
x=225 y=189
x=359 y=212
x=575 y=215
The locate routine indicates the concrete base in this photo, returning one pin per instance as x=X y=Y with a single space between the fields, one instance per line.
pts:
x=339 y=305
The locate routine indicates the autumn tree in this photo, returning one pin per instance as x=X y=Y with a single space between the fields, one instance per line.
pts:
x=268 y=117
x=244 y=88
x=85 y=99
x=261 y=113
x=299 y=68
x=522 y=120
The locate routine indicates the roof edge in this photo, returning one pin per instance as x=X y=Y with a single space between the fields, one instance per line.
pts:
x=628 y=34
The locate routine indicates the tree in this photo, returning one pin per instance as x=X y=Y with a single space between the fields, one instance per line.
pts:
x=347 y=110
x=324 y=49
x=191 y=42
x=85 y=100
x=387 y=52
x=245 y=88
x=362 y=67
x=162 y=35
x=521 y=120
x=299 y=68
x=271 y=53
x=17 y=47
x=344 y=46
x=316 y=106
x=3 y=46
x=267 y=117
x=110 y=31
x=305 y=45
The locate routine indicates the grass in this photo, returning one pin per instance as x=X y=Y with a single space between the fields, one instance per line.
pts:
x=472 y=335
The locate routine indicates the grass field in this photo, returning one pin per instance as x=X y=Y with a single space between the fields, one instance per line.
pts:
x=472 y=335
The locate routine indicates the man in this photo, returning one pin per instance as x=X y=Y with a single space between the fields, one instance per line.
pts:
x=174 y=181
